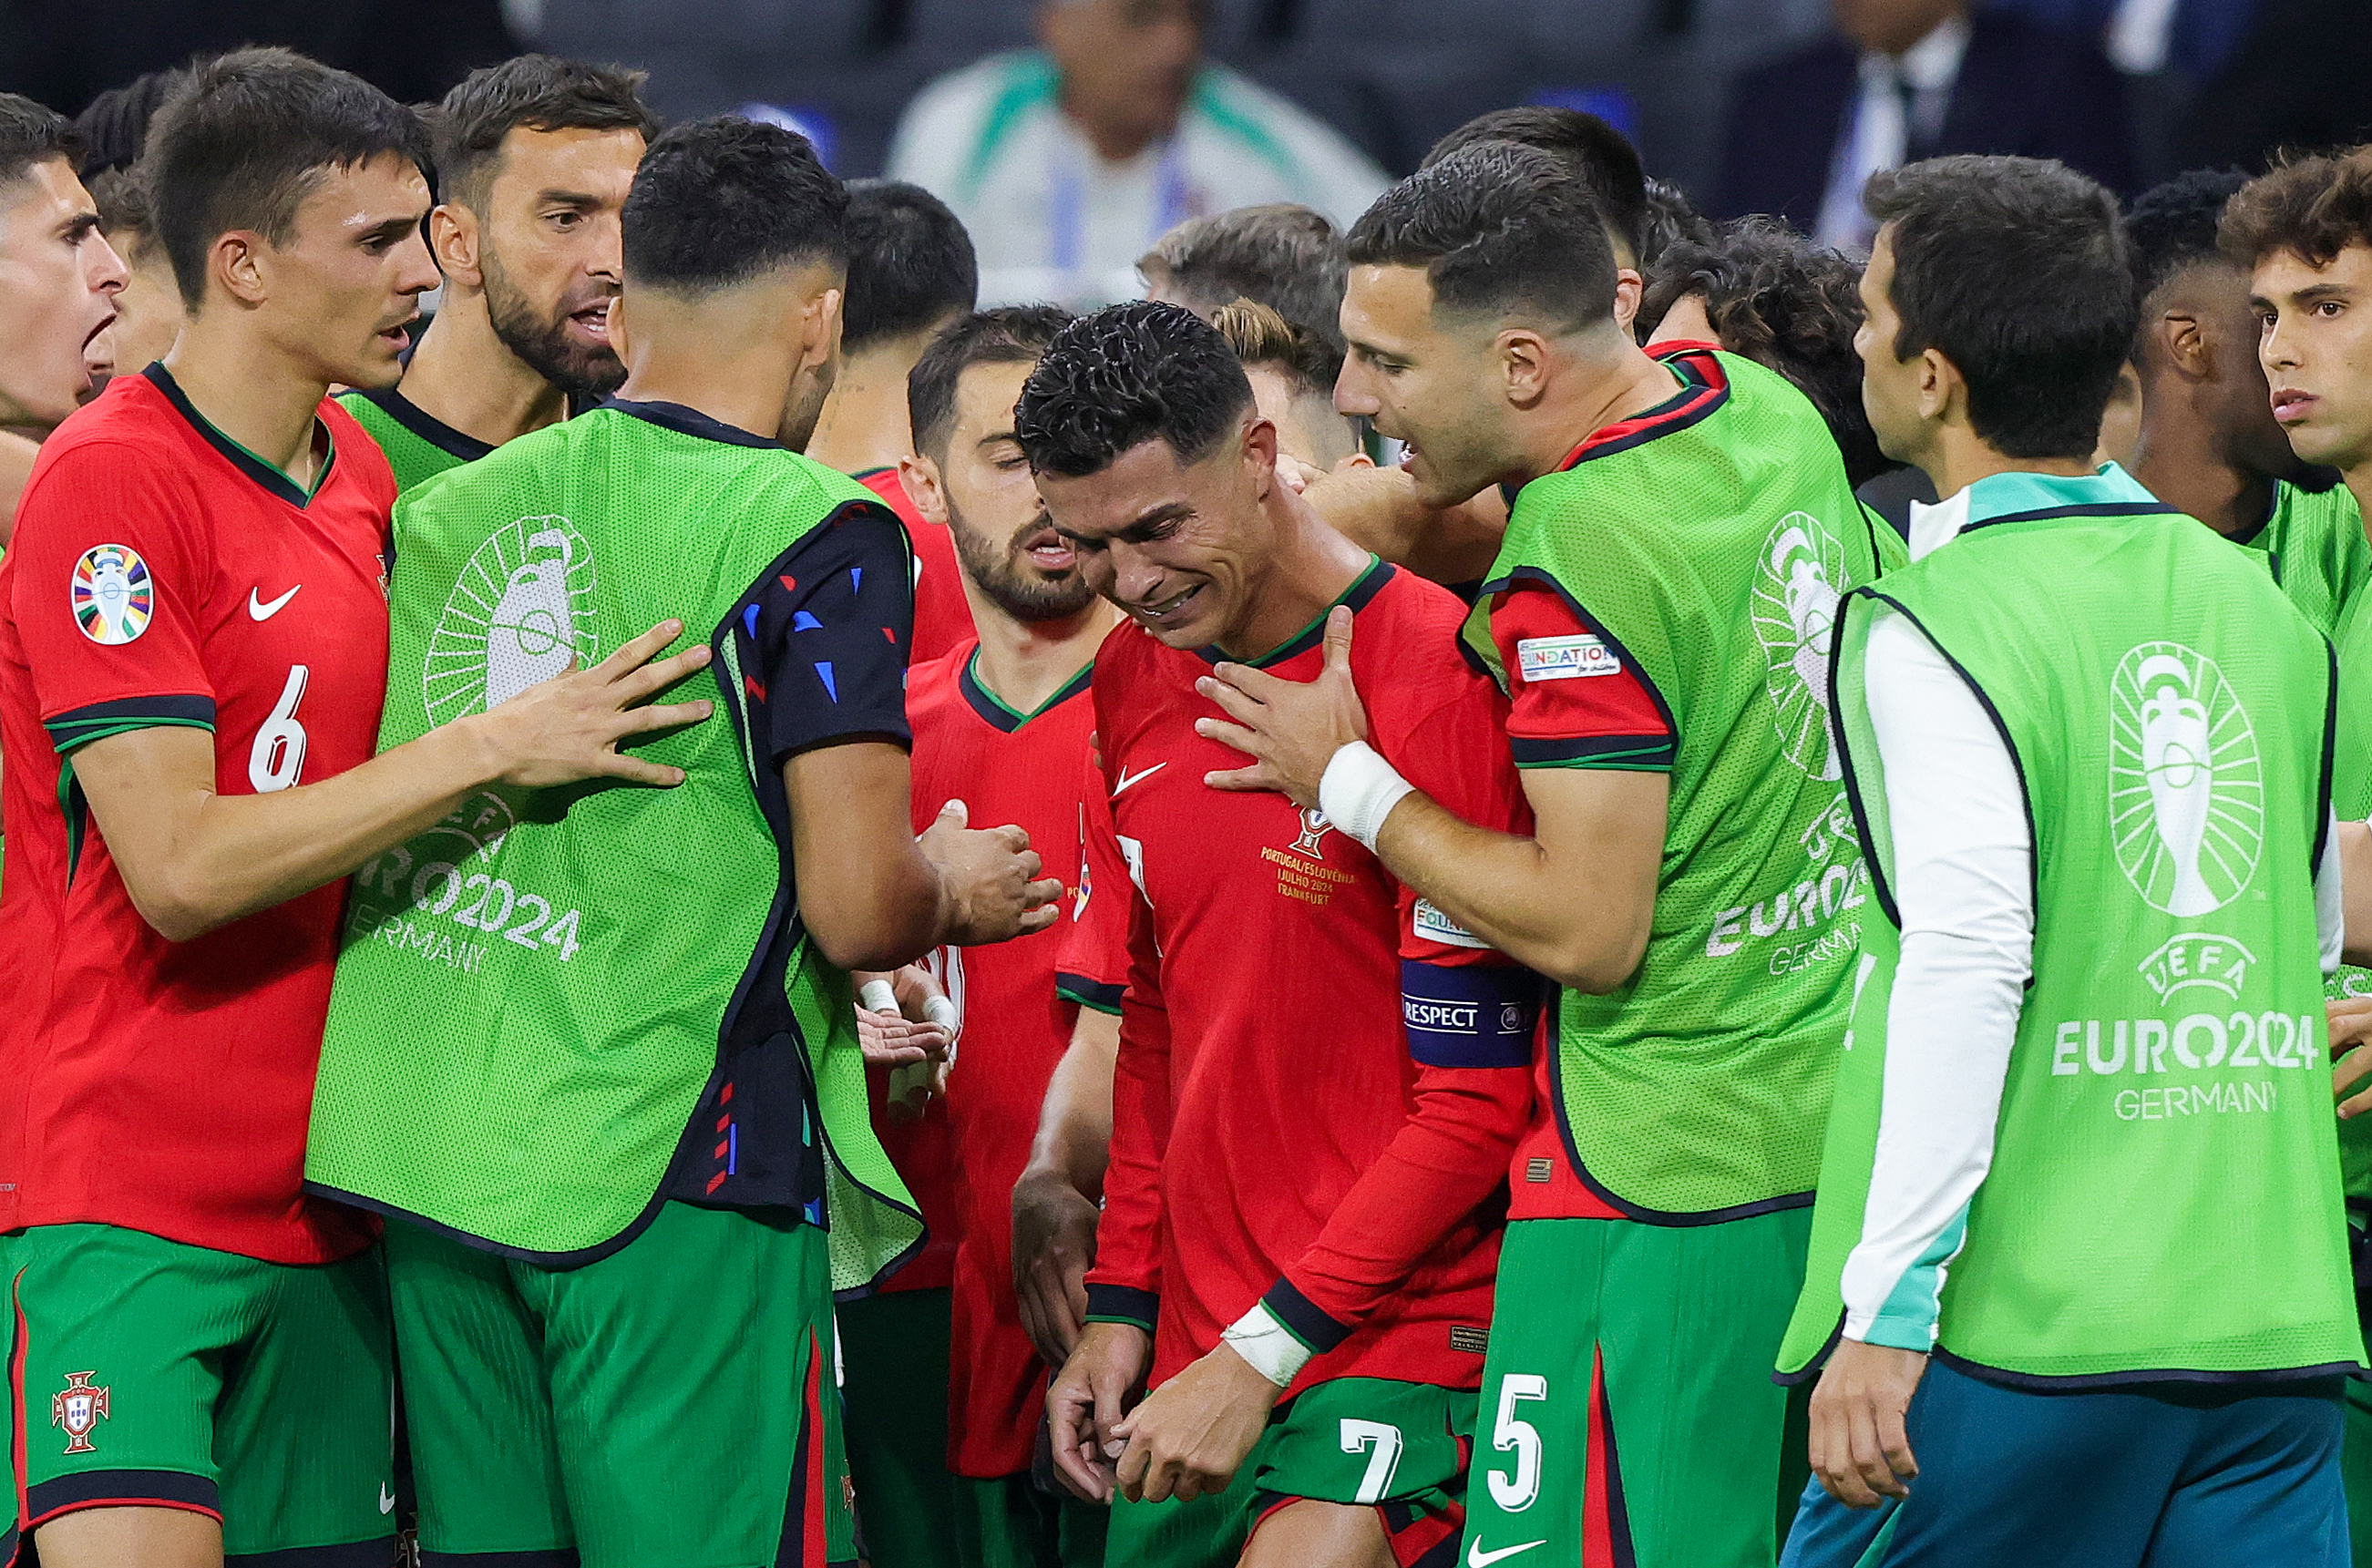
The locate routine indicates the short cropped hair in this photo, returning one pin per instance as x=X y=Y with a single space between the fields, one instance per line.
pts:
x=1601 y=155
x=114 y=126
x=2172 y=226
x=722 y=201
x=911 y=264
x=2017 y=271
x=31 y=134
x=1261 y=336
x=534 y=92
x=1130 y=374
x=1785 y=302
x=244 y=138
x=1289 y=258
x=1011 y=334
x=2313 y=207
x=1498 y=227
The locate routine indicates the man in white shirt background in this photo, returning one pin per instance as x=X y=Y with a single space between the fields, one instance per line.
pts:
x=1066 y=162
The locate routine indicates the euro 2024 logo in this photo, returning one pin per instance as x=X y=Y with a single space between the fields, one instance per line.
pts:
x=2186 y=784
x=522 y=611
x=1795 y=610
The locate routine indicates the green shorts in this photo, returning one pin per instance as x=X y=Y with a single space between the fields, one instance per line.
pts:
x=893 y=1385
x=669 y=1403
x=1401 y=1447
x=1628 y=1413
x=1012 y=1522
x=149 y=1373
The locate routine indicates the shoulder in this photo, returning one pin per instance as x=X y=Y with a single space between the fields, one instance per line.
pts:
x=360 y=452
x=1406 y=645
x=934 y=686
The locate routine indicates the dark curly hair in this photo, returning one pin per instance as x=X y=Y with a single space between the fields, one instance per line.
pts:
x=1127 y=374
x=1781 y=301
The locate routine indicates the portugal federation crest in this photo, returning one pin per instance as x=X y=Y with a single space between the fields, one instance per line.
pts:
x=522 y=612
x=112 y=593
x=79 y=1409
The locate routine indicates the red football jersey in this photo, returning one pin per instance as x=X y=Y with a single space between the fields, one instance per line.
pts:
x=1007 y=767
x=1323 y=1163
x=942 y=614
x=161 y=575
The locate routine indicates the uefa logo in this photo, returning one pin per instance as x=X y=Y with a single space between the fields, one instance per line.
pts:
x=1795 y=610
x=2186 y=784
x=522 y=612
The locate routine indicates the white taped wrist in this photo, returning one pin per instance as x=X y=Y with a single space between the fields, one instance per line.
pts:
x=1359 y=790
x=1267 y=1345
x=878 y=997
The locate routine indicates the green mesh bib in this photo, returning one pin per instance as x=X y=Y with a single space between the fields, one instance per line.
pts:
x=2318 y=551
x=2163 y=1195
x=1710 y=551
x=532 y=994
x=413 y=456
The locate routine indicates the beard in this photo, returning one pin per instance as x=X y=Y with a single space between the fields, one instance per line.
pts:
x=1007 y=576
x=541 y=340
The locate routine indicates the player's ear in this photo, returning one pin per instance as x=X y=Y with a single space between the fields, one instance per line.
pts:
x=1523 y=365
x=237 y=262
x=2185 y=343
x=1940 y=386
x=453 y=240
x=822 y=316
x=618 y=326
x=1629 y=289
x=1260 y=452
x=920 y=475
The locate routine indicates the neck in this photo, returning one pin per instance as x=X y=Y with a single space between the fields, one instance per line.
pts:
x=464 y=376
x=740 y=380
x=1113 y=143
x=864 y=424
x=248 y=388
x=1311 y=568
x=2179 y=467
x=1615 y=381
x=1025 y=662
x=1958 y=458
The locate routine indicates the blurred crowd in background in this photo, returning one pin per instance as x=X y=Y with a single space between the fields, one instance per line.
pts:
x=1069 y=133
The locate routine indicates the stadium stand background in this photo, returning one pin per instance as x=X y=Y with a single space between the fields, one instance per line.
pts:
x=1391 y=75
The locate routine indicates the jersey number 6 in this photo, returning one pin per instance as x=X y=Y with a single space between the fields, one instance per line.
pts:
x=279 y=753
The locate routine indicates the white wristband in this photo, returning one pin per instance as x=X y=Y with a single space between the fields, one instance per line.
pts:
x=1267 y=1345
x=877 y=997
x=1359 y=790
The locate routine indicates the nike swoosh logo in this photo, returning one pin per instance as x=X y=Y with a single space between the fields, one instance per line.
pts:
x=1478 y=1558
x=386 y=1498
x=262 y=610
x=1127 y=778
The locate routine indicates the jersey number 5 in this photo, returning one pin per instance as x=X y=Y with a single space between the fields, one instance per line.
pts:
x=1511 y=1435
x=278 y=756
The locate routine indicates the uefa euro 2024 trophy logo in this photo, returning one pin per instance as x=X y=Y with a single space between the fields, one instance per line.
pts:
x=2186 y=790
x=1795 y=610
x=522 y=612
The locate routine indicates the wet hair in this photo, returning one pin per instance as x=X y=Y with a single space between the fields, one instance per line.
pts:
x=1261 y=336
x=31 y=134
x=1127 y=374
x=2313 y=207
x=533 y=92
x=910 y=263
x=1782 y=301
x=1498 y=228
x=722 y=201
x=1011 y=334
x=2017 y=271
x=1601 y=155
x=244 y=138
x=1287 y=257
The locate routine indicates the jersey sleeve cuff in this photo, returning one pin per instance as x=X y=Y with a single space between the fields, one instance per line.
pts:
x=1092 y=995
x=1303 y=1318
x=1617 y=753
x=1124 y=1303
x=79 y=727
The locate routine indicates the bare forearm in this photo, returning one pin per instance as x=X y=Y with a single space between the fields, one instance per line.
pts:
x=193 y=860
x=1074 y=1140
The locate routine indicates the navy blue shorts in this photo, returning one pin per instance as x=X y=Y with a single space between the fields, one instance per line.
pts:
x=2168 y=1475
